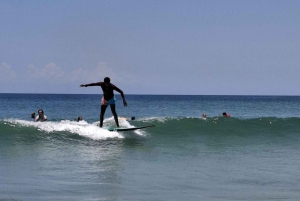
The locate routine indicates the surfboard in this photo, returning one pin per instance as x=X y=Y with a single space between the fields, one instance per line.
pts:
x=129 y=129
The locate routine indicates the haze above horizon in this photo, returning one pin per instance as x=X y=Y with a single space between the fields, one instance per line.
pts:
x=151 y=47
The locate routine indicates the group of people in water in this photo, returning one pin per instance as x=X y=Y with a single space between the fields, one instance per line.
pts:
x=42 y=117
x=108 y=98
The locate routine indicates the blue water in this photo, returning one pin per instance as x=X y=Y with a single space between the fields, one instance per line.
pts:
x=253 y=155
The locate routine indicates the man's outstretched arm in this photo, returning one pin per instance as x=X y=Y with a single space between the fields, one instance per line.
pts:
x=91 y=84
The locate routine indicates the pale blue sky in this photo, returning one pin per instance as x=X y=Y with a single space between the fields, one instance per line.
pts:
x=213 y=47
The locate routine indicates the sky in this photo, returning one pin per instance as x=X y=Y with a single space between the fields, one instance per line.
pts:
x=168 y=47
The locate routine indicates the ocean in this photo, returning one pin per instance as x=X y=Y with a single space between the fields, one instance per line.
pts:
x=253 y=155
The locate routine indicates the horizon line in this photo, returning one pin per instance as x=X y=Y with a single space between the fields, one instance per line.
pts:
x=152 y=94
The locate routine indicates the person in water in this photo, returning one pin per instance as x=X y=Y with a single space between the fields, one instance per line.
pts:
x=225 y=114
x=41 y=117
x=108 y=98
x=79 y=118
x=32 y=115
x=124 y=118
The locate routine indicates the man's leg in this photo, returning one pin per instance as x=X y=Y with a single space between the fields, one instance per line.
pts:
x=103 y=108
x=113 y=110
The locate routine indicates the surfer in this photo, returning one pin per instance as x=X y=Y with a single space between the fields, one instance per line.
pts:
x=79 y=118
x=41 y=117
x=108 y=98
x=225 y=114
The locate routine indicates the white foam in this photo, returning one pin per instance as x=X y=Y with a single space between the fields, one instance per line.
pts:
x=81 y=128
x=150 y=119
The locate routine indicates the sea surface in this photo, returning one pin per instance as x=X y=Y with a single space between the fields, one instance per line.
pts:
x=253 y=155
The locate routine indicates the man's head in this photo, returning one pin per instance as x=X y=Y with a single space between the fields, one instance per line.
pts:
x=106 y=80
x=40 y=112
